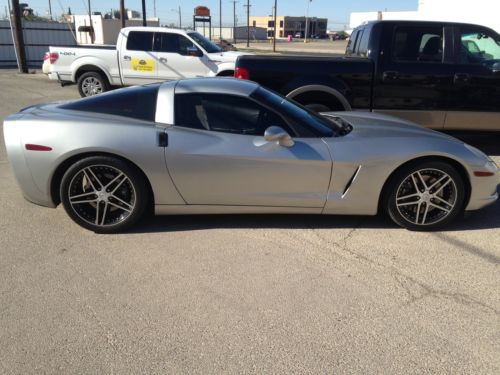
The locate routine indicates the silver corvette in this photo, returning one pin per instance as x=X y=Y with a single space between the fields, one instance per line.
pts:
x=208 y=146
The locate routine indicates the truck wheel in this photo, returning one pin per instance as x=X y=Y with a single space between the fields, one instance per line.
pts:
x=92 y=83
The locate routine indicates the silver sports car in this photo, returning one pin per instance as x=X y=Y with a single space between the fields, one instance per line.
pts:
x=208 y=146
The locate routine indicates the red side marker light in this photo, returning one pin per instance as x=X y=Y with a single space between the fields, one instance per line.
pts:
x=483 y=174
x=241 y=73
x=33 y=147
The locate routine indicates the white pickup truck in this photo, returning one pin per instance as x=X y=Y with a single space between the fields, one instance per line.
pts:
x=141 y=55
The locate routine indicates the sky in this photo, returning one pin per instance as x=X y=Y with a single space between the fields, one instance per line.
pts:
x=337 y=11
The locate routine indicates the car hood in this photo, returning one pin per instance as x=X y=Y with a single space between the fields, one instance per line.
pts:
x=377 y=125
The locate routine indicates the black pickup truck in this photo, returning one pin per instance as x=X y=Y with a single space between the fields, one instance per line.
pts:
x=441 y=75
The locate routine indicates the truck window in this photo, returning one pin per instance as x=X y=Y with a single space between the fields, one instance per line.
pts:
x=173 y=43
x=478 y=47
x=352 y=42
x=418 y=44
x=140 y=41
x=362 y=46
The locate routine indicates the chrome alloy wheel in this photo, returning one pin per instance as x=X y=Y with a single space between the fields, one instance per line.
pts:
x=102 y=195
x=92 y=86
x=426 y=196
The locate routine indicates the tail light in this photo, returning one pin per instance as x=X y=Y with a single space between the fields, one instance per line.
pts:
x=242 y=73
x=52 y=56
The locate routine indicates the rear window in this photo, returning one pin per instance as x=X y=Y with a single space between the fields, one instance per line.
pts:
x=134 y=102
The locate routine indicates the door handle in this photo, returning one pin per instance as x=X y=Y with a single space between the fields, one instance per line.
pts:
x=163 y=59
x=126 y=58
x=461 y=78
x=390 y=75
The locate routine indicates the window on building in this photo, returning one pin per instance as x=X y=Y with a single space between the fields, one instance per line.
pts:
x=254 y=23
x=270 y=23
x=281 y=23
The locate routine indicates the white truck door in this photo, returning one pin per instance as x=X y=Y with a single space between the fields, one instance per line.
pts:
x=179 y=57
x=138 y=62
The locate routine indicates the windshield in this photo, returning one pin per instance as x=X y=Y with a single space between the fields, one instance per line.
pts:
x=314 y=123
x=205 y=43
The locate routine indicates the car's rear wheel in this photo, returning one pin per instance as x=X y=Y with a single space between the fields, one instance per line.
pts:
x=425 y=196
x=104 y=194
x=92 y=83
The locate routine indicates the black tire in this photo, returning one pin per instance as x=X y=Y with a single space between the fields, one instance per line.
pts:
x=92 y=83
x=104 y=194
x=425 y=196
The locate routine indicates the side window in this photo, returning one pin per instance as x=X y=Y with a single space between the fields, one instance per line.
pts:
x=362 y=48
x=478 y=47
x=140 y=41
x=352 y=42
x=173 y=43
x=224 y=113
x=423 y=44
x=137 y=102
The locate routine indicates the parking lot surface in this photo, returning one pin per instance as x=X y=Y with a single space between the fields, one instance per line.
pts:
x=241 y=294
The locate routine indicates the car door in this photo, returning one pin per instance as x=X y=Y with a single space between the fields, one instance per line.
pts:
x=178 y=57
x=414 y=74
x=217 y=155
x=475 y=96
x=137 y=60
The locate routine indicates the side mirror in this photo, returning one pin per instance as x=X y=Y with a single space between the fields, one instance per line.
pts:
x=193 y=51
x=277 y=134
x=495 y=68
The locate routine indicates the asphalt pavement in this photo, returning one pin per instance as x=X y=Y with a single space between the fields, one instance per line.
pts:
x=241 y=294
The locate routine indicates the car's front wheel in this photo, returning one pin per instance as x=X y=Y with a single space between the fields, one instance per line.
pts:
x=104 y=194
x=425 y=196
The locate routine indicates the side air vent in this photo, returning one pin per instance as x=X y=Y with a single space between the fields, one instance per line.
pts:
x=351 y=180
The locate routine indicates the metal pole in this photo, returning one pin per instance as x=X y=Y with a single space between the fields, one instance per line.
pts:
x=50 y=11
x=220 y=19
x=248 y=23
x=180 y=18
x=154 y=8
x=307 y=19
x=122 y=13
x=275 y=23
x=234 y=21
x=19 y=41
x=144 y=23
x=91 y=31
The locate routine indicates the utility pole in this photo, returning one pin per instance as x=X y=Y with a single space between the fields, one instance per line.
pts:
x=154 y=8
x=180 y=16
x=19 y=42
x=248 y=22
x=50 y=11
x=91 y=30
x=122 y=13
x=220 y=19
x=234 y=20
x=275 y=23
x=144 y=23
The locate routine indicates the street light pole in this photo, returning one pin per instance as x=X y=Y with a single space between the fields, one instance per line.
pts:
x=307 y=21
x=248 y=23
x=220 y=19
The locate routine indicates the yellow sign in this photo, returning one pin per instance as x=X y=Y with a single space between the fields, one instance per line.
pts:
x=143 y=65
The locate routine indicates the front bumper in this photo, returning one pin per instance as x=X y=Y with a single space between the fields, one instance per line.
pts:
x=484 y=190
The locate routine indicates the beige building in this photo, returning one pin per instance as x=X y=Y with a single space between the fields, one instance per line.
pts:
x=293 y=26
